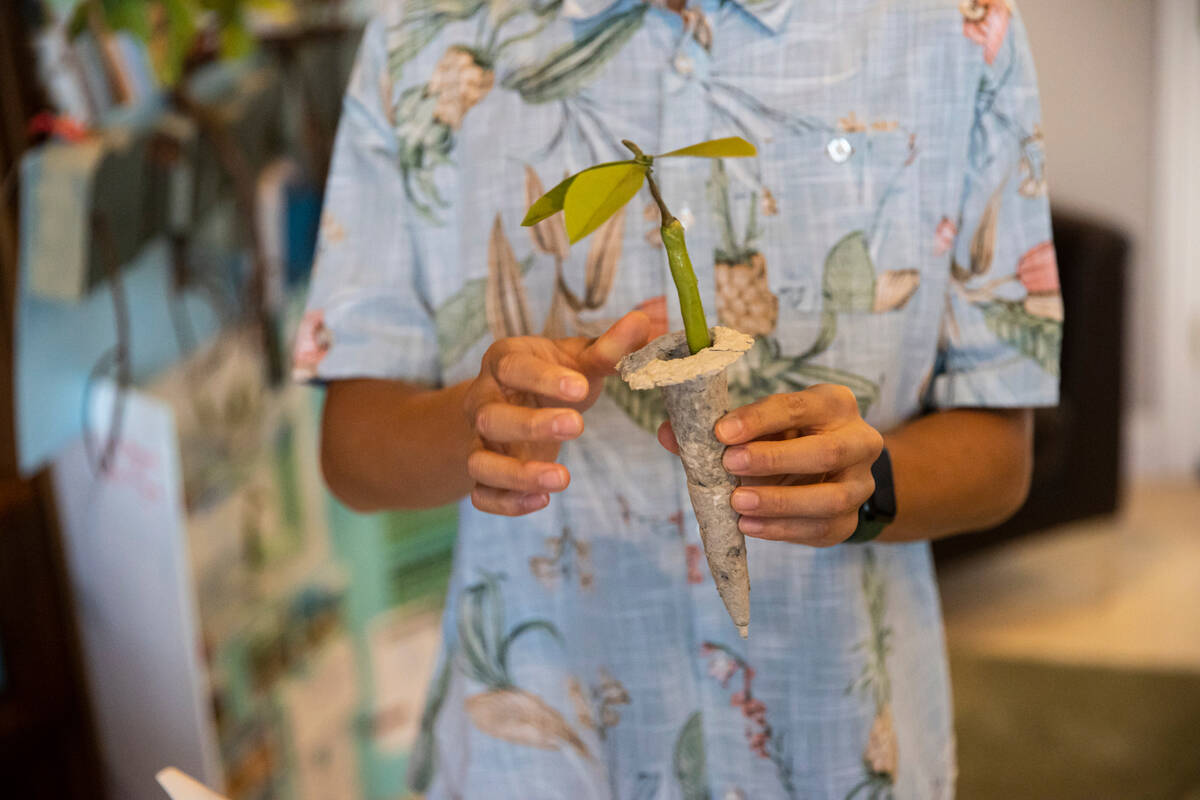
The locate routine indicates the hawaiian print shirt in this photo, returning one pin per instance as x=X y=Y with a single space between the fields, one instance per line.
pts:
x=893 y=236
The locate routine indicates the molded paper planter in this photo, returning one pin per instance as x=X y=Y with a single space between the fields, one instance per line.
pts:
x=696 y=395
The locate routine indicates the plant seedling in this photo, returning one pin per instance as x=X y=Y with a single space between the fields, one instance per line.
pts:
x=590 y=197
x=688 y=366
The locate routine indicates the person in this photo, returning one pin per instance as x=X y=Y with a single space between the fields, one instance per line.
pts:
x=889 y=248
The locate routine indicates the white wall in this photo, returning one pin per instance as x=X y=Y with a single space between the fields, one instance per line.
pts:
x=1119 y=83
x=1095 y=62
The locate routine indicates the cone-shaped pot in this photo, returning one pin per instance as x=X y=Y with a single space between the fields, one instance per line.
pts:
x=696 y=396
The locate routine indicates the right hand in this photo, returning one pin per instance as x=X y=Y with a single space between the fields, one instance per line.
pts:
x=527 y=400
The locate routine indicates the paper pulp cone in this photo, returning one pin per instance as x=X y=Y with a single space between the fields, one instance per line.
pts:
x=696 y=396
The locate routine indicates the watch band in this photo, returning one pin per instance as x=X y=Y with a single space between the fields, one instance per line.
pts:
x=880 y=509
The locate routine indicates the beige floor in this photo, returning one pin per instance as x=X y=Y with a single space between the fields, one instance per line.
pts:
x=1123 y=592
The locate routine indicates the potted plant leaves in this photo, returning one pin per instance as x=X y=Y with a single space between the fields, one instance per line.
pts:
x=687 y=366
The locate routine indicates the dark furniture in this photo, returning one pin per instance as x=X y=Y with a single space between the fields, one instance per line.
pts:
x=1077 y=446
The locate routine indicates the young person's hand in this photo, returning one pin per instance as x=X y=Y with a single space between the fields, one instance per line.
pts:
x=805 y=463
x=527 y=401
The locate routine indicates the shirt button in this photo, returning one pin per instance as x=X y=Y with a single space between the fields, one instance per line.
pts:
x=839 y=150
x=683 y=65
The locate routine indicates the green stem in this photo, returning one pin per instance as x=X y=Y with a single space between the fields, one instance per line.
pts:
x=694 y=325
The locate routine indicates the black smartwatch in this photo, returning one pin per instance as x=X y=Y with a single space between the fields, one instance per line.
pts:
x=880 y=509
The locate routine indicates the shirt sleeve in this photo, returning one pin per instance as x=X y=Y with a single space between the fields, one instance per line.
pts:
x=368 y=312
x=1002 y=329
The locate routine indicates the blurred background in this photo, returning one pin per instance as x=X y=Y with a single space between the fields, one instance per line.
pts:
x=176 y=587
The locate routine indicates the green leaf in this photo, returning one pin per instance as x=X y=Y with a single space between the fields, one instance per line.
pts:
x=1036 y=337
x=849 y=280
x=552 y=201
x=596 y=194
x=690 y=763
x=728 y=147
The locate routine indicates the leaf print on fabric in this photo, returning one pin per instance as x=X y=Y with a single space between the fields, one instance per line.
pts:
x=849 y=278
x=568 y=68
x=462 y=320
x=983 y=242
x=420 y=24
x=1038 y=337
x=647 y=409
x=894 y=289
x=506 y=304
x=424 y=144
x=647 y=786
x=881 y=752
x=763 y=740
x=603 y=258
x=502 y=710
x=519 y=717
x=691 y=768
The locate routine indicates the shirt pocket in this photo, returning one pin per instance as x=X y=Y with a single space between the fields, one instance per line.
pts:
x=846 y=202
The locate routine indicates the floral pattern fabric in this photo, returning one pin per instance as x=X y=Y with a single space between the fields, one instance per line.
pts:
x=892 y=236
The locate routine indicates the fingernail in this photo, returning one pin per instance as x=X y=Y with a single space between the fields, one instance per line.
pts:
x=573 y=387
x=729 y=428
x=551 y=479
x=565 y=425
x=750 y=524
x=745 y=500
x=532 y=502
x=736 y=458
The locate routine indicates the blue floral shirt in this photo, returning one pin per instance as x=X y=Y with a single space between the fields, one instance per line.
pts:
x=892 y=235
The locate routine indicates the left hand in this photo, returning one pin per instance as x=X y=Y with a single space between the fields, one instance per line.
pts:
x=805 y=463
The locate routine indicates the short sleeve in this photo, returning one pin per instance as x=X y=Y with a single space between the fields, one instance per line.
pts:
x=368 y=313
x=1002 y=329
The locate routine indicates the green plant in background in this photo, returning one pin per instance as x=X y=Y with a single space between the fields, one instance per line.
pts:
x=588 y=198
x=174 y=31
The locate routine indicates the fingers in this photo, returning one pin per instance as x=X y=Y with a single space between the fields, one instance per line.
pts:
x=504 y=422
x=814 y=454
x=666 y=437
x=627 y=334
x=494 y=470
x=508 y=504
x=812 y=532
x=818 y=515
x=816 y=407
x=814 y=501
x=524 y=372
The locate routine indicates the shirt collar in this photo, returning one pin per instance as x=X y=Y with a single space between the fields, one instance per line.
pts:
x=770 y=13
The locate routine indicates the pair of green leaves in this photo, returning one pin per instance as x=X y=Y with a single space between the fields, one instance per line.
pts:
x=590 y=197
